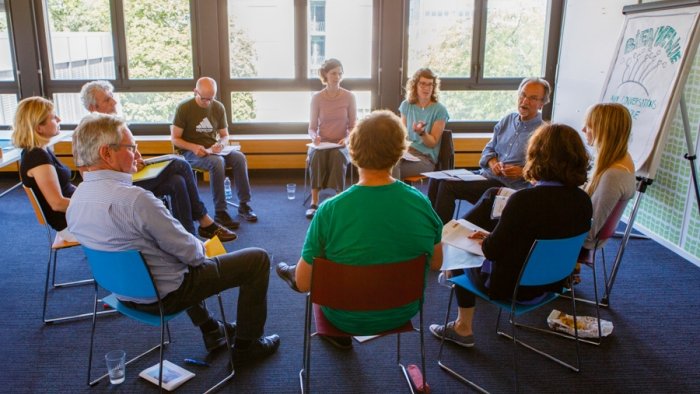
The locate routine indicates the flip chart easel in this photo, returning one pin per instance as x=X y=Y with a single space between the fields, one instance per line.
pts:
x=648 y=72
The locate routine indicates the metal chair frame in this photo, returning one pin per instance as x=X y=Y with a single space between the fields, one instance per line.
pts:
x=363 y=288
x=126 y=273
x=56 y=243
x=548 y=261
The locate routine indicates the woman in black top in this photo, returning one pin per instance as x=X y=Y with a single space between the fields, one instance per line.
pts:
x=35 y=123
x=554 y=208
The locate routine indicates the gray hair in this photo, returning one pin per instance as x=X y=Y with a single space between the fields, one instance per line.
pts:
x=95 y=131
x=543 y=82
x=87 y=92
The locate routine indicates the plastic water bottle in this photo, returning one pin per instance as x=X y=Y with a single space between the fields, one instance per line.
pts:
x=227 y=189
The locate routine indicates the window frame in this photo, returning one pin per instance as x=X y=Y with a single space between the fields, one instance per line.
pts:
x=122 y=83
x=476 y=80
x=301 y=82
x=13 y=86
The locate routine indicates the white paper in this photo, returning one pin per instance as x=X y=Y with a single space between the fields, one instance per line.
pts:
x=460 y=174
x=323 y=145
x=409 y=157
x=158 y=159
x=456 y=233
x=455 y=258
x=226 y=150
x=500 y=201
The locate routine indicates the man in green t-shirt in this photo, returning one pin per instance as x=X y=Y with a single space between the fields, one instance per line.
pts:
x=200 y=133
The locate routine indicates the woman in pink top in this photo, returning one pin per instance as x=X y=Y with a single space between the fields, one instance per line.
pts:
x=333 y=115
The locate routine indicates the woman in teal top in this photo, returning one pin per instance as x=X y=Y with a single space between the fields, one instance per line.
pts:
x=378 y=220
x=425 y=119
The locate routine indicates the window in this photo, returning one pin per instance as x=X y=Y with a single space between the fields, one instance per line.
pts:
x=8 y=97
x=272 y=76
x=144 y=48
x=480 y=72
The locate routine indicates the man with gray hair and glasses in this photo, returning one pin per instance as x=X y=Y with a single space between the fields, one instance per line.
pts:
x=176 y=180
x=108 y=213
x=503 y=158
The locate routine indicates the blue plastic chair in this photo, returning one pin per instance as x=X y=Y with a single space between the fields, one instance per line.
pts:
x=549 y=261
x=127 y=274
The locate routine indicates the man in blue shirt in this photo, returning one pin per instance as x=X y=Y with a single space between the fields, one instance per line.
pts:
x=503 y=157
x=108 y=213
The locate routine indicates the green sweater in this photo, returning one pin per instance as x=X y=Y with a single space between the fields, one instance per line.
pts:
x=373 y=225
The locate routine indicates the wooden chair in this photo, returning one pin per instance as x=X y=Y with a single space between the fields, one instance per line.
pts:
x=56 y=243
x=363 y=288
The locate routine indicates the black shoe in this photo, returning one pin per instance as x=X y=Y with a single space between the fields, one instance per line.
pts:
x=216 y=338
x=225 y=220
x=259 y=348
x=343 y=343
x=246 y=212
x=215 y=229
x=288 y=274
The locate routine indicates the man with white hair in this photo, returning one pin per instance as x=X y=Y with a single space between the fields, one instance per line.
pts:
x=176 y=180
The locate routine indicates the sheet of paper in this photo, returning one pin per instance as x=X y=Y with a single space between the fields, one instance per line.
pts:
x=226 y=150
x=460 y=174
x=365 y=338
x=455 y=258
x=213 y=247
x=500 y=201
x=456 y=233
x=409 y=157
x=324 y=145
x=470 y=177
x=158 y=159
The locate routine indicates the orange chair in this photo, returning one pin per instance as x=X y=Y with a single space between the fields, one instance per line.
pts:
x=363 y=288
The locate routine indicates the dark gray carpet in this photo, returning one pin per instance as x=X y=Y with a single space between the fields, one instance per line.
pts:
x=654 y=307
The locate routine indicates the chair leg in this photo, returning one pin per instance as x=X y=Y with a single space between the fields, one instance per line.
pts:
x=228 y=347
x=444 y=366
x=305 y=372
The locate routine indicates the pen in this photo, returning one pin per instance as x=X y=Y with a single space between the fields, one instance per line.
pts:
x=196 y=362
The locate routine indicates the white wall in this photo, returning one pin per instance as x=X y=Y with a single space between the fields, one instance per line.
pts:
x=590 y=32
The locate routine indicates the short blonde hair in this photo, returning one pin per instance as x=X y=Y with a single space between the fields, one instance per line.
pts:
x=31 y=112
x=378 y=141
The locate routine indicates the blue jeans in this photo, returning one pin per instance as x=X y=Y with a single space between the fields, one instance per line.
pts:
x=248 y=269
x=178 y=181
x=216 y=165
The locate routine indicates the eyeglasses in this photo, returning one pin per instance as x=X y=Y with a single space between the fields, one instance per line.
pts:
x=129 y=147
x=530 y=98
x=426 y=84
x=207 y=99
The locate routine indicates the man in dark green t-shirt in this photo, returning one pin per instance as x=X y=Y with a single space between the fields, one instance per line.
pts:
x=200 y=133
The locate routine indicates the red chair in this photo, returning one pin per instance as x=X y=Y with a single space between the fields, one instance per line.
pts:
x=363 y=288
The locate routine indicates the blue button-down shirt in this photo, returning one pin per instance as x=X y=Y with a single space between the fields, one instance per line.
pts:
x=509 y=145
x=107 y=212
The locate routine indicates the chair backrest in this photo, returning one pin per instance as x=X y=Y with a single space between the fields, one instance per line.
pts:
x=122 y=272
x=611 y=222
x=551 y=260
x=367 y=287
x=446 y=155
x=35 y=205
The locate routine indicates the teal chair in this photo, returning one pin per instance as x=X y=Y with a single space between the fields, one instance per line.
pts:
x=126 y=273
x=549 y=261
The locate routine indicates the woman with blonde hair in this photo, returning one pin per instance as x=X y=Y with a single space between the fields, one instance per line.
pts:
x=34 y=125
x=425 y=119
x=608 y=127
x=333 y=115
